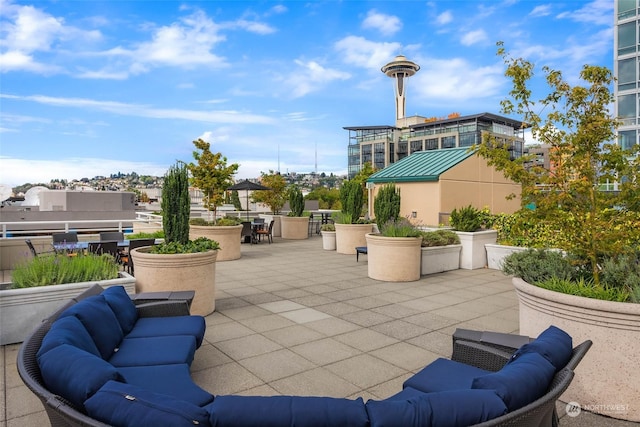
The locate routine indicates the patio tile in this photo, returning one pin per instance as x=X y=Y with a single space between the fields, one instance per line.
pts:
x=325 y=351
x=226 y=331
x=267 y=323
x=247 y=346
x=313 y=300
x=366 y=318
x=332 y=326
x=208 y=356
x=276 y=365
x=293 y=335
x=21 y=401
x=245 y=312
x=281 y=306
x=306 y=315
x=229 y=378
x=436 y=342
x=337 y=308
x=399 y=329
x=365 y=339
x=365 y=371
x=388 y=388
x=397 y=311
x=430 y=320
x=456 y=313
x=406 y=356
x=316 y=382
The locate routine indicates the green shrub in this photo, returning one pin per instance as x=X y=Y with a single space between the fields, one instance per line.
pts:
x=201 y=244
x=622 y=272
x=54 y=270
x=296 y=201
x=155 y=235
x=176 y=204
x=351 y=199
x=328 y=227
x=220 y=222
x=439 y=238
x=584 y=288
x=537 y=265
x=467 y=219
x=399 y=228
x=386 y=205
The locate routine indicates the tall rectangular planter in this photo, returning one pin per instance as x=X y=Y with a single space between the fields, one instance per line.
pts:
x=474 y=254
x=21 y=310
x=497 y=253
x=437 y=259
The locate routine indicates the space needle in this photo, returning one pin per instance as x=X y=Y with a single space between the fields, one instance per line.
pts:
x=399 y=69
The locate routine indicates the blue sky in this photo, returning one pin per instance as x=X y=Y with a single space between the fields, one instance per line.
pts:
x=97 y=87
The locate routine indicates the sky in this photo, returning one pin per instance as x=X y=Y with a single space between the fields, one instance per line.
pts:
x=91 y=88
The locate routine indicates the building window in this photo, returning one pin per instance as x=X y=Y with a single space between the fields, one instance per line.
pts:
x=448 y=142
x=378 y=155
x=627 y=74
x=626 y=8
x=416 y=146
x=468 y=139
x=402 y=150
x=366 y=154
x=431 y=144
x=626 y=139
x=627 y=109
x=627 y=38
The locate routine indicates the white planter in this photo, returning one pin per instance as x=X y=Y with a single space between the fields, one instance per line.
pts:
x=497 y=253
x=328 y=240
x=473 y=254
x=21 y=310
x=607 y=380
x=437 y=259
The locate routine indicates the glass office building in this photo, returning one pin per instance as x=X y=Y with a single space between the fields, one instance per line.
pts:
x=626 y=57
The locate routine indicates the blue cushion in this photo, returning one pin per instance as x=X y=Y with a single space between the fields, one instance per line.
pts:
x=406 y=393
x=520 y=382
x=444 y=374
x=171 y=380
x=154 y=351
x=120 y=404
x=122 y=306
x=68 y=330
x=176 y=325
x=99 y=320
x=442 y=409
x=277 y=411
x=554 y=344
x=75 y=374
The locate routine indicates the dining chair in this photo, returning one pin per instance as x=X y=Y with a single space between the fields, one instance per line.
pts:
x=267 y=232
x=68 y=237
x=127 y=259
x=118 y=236
x=106 y=247
x=33 y=249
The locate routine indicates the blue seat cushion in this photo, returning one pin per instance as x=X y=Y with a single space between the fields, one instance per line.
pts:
x=170 y=380
x=99 y=320
x=553 y=343
x=121 y=404
x=68 y=330
x=442 y=409
x=122 y=307
x=406 y=393
x=74 y=373
x=154 y=351
x=277 y=411
x=444 y=374
x=162 y=326
x=520 y=382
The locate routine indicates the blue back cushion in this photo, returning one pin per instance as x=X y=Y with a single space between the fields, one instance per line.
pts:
x=120 y=404
x=75 y=374
x=446 y=408
x=554 y=344
x=277 y=411
x=99 y=320
x=68 y=330
x=444 y=374
x=173 y=325
x=122 y=306
x=520 y=382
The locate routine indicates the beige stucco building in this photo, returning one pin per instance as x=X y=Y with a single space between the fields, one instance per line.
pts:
x=433 y=183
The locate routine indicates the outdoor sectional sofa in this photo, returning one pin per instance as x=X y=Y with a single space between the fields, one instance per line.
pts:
x=103 y=360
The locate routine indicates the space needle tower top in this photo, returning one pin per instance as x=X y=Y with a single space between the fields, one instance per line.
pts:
x=399 y=69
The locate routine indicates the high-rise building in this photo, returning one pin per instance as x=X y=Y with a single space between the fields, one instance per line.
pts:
x=626 y=54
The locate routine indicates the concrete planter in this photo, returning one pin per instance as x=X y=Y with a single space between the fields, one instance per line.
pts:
x=473 y=254
x=21 y=310
x=437 y=259
x=294 y=227
x=228 y=236
x=349 y=236
x=277 y=226
x=606 y=380
x=328 y=240
x=393 y=259
x=497 y=253
x=178 y=272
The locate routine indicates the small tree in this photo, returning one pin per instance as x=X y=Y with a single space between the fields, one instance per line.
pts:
x=277 y=196
x=386 y=205
x=176 y=204
x=211 y=175
x=351 y=199
x=235 y=199
x=584 y=156
x=296 y=201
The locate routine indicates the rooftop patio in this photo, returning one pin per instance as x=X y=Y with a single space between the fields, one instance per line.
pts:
x=292 y=318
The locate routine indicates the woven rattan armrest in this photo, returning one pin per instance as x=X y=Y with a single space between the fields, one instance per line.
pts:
x=479 y=355
x=499 y=340
x=163 y=309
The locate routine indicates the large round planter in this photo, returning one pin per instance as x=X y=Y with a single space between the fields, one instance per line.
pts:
x=393 y=259
x=437 y=259
x=606 y=380
x=294 y=227
x=328 y=240
x=178 y=272
x=474 y=254
x=497 y=253
x=22 y=310
x=229 y=237
x=350 y=236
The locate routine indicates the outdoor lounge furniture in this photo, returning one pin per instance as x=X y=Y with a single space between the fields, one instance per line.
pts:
x=360 y=250
x=267 y=232
x=33 y=251
x=103 y=360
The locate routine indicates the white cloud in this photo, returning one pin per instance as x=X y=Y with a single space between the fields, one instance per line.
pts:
x=385 y=24
x=541 y=10
x=445 y=17
x=597 y=12
x=311 y=77
x=474 y=37
x=364 y=53
x=206 y=136
x=254 y=26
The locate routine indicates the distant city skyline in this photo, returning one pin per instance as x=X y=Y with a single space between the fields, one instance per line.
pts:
x=92 y=88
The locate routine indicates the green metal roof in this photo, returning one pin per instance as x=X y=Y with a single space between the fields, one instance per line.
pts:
x=422 y=166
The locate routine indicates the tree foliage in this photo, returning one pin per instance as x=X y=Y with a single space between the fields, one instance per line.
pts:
x=386 y=205
x=296 y=201
x=327 y=198
x=351 y=199
x=176 y=204
x=277 y=196
x=211 y=175
x=580 y=133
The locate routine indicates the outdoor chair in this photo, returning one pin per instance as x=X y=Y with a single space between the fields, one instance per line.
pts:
x=69 y=237
x=127 y=259
x=360 y=250
x=247 y=232
x=267 y=232
x=106 y=247
x=118 y=236
x=33 y=249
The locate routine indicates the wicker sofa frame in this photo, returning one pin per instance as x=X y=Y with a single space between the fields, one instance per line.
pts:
x=487 y=351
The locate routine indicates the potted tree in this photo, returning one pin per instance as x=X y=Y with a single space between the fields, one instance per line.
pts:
x=350 y=230
x=599 y=226
x=213 y=176
x=274 y=198
x=295 y=225
x=469 y=223
x=440 y=251
x=178 y=264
